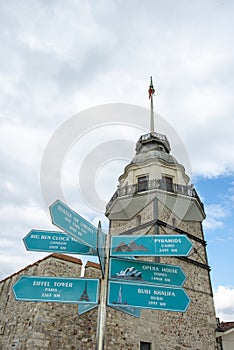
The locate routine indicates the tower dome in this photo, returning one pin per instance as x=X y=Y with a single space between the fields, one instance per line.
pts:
x=152 y=146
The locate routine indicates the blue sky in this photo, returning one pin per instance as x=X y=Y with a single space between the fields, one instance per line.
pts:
x=62 y=58
x=217 y=196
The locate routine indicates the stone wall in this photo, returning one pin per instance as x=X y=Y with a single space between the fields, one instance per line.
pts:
x=44 y=325
x=57 y=326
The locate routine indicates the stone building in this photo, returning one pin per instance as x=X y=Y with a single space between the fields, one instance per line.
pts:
x=154 y=197
x=225 y=335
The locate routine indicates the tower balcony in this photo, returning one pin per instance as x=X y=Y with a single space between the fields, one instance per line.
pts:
x=154 y=184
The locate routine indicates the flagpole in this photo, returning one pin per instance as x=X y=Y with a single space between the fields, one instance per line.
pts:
x=151 y=94
x=151 y=114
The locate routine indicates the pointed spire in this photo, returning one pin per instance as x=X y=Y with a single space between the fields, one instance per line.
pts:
x=151 y=94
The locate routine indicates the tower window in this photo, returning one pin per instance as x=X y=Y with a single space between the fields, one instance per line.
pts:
x=168 y=183
x=145 y=345
x=138 y=220
x=143 y=183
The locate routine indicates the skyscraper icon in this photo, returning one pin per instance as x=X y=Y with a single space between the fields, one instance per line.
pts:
x=120 y=298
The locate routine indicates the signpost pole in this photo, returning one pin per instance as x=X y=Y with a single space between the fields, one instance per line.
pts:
x=101 y=323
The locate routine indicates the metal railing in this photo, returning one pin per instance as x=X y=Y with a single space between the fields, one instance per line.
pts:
x=159 y=184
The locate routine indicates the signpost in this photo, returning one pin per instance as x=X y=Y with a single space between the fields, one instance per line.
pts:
x=57 y=242
x=132 y=284
x=157 y=245
x=147 y=296
x=57 y=289
x=144 y=272
x=71 y=222
x=101 y=242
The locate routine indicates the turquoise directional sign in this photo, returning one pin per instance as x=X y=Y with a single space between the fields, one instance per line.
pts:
x=147 y=296
x=57 y=289
x=71 y=222
x=146 y=272
x=83 y=308
x=101 y=242
x=158 y=245
x=57 y=242
x=133 y=311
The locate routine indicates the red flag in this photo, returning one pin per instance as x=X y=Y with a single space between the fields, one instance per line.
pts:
x=151 y=88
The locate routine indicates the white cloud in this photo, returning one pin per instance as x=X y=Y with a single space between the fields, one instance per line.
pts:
x=230 y=194
x=224 y=303
x=215 y=215
x=15 y=139
x=17 y=221
x=58 y=58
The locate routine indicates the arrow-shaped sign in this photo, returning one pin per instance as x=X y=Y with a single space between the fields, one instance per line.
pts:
x=57 y=242
x=147 y=296
x=71 y=222
x=144 y=271
x=83 y=308
x=57 y=289
x=158 y=245
x=133 y=311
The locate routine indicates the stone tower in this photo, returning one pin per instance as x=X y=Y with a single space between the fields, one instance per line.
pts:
x=154 y=197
